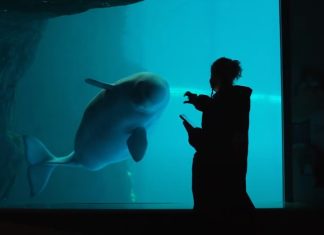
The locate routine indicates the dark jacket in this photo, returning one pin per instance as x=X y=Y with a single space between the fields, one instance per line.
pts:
x=225 y=119
x=220 y=162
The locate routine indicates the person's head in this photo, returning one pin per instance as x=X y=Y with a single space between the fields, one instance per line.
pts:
x=223 y=73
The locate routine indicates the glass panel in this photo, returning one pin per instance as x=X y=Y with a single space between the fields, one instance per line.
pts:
x=177 y=40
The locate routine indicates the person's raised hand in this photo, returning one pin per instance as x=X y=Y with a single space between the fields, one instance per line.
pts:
x=191 y=97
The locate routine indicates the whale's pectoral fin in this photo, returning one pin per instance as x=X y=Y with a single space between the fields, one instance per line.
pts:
x=137 y=144
x=99 y=84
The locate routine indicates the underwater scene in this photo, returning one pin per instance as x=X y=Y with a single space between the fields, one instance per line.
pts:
x=107 y=145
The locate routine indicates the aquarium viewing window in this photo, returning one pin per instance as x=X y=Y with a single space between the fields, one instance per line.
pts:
x=178 y=40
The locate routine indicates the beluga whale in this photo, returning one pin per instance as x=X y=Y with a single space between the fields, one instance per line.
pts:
x=113 y=128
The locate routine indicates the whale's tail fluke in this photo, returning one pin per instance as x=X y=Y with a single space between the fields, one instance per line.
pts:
x=41 y=164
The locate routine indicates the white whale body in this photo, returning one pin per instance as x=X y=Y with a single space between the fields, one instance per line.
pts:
x=112 y=129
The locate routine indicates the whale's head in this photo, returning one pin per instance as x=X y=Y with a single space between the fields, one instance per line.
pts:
x=150 y=92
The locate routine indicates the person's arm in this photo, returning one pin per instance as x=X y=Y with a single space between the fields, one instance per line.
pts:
x=186 y=123
x=201 y=102
x=196 y=139
x=194 y=135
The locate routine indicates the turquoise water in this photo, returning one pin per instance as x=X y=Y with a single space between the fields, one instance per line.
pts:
x=177 y=40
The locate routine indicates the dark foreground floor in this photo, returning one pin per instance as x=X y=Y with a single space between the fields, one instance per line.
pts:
x=267 y=221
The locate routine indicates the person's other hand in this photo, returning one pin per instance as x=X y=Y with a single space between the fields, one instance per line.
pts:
x=191 y=97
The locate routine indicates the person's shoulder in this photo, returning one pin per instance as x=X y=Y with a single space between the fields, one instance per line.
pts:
x=242 y=90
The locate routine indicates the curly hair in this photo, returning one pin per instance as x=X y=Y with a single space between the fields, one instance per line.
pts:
x=226 y=70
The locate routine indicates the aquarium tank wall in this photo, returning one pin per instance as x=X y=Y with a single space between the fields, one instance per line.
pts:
x=177 y=41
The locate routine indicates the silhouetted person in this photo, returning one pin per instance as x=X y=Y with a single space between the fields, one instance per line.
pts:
x=220 y=161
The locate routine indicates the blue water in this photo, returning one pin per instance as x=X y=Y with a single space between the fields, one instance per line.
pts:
x=178 y=40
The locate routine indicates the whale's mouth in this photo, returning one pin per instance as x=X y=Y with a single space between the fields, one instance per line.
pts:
x=148 y=104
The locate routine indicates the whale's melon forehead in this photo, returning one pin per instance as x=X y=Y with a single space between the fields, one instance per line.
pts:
x=152 y=87
x=142 y=77
x=151 y=81
x=149 y=90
